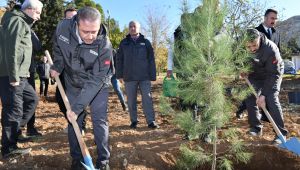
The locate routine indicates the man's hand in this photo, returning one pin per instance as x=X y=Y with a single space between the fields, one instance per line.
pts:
x=261 y=101
x=169 y=73
x=244 y=75
x=15 y=83
x=121 y=81
x=53 y=73
x=71 y=116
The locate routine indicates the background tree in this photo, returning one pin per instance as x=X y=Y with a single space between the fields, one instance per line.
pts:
x=115 y=34
x=81 y=3
x=292 y=43
x=156 y=27
x=209 y=65
x=51 y=15
x=243 y=14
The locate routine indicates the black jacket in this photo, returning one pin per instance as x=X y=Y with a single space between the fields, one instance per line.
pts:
x=267 y=66
x=87 y=67
x=275 y=35
x=135 y=60
x=43 y=70
x=36 y=47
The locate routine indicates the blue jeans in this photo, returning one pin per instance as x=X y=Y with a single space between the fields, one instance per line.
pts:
x=116 y=85
x=18 y=106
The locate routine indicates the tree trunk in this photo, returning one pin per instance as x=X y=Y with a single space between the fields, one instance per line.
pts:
x=214 y=163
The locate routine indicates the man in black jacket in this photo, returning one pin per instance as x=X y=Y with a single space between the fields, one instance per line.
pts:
x=136 y=66
x=83 y=51
x=267 y=27
x=36 y=47
x=266 y=77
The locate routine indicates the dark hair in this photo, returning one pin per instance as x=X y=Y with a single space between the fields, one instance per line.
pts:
x=69 y=10
x=88 y=13
x=251 y=34
x=269 y=11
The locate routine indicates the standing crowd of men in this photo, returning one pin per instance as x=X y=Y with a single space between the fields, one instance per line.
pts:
x=83 y=59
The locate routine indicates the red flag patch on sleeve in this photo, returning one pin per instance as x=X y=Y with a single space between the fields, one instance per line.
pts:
x=107 y=62
x=274 y=61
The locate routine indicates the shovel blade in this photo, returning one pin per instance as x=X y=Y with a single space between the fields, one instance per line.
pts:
x=293 y=145
x=88 y=163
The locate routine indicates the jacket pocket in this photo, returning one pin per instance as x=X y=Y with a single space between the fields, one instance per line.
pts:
x=142 y=52
x=88 y=59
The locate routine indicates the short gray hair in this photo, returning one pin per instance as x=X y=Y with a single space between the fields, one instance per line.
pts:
x=134 y=22
x=35 y=4
x=89 y=14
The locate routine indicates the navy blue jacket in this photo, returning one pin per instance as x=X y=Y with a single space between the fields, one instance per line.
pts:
x=135 y=60
x=87 y=67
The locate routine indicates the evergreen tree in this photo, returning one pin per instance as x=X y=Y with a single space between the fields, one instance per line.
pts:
x=115 y=34
x=83 y=3
x=206 y=65
x=51 y=14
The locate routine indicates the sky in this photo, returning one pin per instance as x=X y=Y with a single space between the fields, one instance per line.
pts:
x=126 y=10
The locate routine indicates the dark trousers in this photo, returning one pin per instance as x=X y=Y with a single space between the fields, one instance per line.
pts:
x=18 y=105
x=100 y=127
x=273 y=106
x=131 y=88
x=31 y=81
x=61 y=104
x=44 y=86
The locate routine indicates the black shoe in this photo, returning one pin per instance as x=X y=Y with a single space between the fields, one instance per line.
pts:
x=77 y=165
x=103 y=167
x=255 y=132
x=124 y=106
x=32 y=132
x=153 y=125
x=133 y=125
x=239 y=115
x=22 y=138
x=14 y=151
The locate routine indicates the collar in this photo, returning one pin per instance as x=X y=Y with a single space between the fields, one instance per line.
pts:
x=136 y=37
x=78 y=36
x=265 y=27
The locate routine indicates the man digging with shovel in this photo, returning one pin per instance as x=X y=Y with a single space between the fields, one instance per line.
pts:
x=83 y=51
x=265 y=77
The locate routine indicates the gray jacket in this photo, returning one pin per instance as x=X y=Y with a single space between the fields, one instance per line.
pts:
x=135 y=60
x=86 y=66
x=267 y=66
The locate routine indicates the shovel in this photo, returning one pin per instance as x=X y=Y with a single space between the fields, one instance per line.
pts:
x=293 y=144
x=88 y=163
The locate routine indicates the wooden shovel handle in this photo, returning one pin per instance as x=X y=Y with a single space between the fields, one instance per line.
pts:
x=265 y=111
x=83 y=147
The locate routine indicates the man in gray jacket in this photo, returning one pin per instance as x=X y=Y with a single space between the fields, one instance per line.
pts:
x=136 y=66
x=18 y=97
x=266 y=77
x=83 y=52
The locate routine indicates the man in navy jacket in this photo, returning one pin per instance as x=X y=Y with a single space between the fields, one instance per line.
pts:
x=136 y=66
